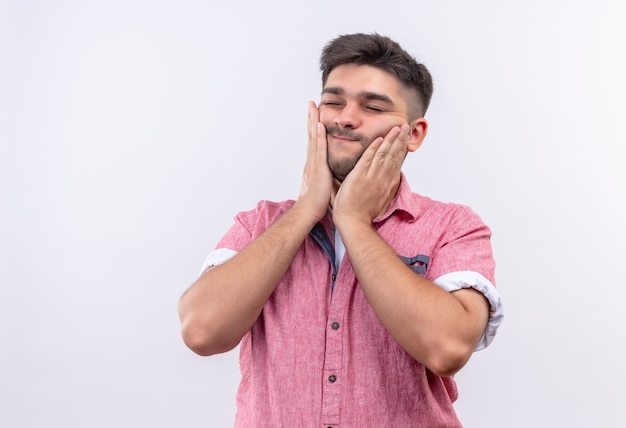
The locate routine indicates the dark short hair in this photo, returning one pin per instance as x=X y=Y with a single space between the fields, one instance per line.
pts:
x=383 y=53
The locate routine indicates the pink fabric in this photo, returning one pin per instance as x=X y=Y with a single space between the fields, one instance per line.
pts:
x=316 y=360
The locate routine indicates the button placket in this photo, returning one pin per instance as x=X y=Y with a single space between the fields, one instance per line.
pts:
x=333 y=355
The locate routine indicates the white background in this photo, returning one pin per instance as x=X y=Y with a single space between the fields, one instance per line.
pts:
x=131 y=133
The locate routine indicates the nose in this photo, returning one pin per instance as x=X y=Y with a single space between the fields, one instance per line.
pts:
x=348 y=117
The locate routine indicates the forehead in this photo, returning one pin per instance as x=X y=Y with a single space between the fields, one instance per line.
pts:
x=354 y=80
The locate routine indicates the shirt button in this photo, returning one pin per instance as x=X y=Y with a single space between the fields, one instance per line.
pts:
x=334 y=277
x=332 y=378
x=335 y=325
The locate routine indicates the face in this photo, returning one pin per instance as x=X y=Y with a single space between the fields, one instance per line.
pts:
x=359 y=103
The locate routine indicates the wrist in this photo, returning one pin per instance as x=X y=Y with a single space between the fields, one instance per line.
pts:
x=307 y=213
x=351 y=223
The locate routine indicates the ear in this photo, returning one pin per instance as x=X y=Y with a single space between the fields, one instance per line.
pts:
x=419 y=128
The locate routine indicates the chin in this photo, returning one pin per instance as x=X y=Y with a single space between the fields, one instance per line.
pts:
x=340 y=171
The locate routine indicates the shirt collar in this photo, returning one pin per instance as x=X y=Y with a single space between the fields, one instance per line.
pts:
x=404 y=201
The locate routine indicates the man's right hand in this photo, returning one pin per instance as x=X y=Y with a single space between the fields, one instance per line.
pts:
x=317 y=180
x=225 y=302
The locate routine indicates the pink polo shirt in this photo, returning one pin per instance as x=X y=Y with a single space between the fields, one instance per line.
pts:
x=321 y=358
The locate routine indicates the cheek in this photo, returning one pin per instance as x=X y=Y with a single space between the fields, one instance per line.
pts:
x=375 y=132
x=326 y=115
x=382 y=129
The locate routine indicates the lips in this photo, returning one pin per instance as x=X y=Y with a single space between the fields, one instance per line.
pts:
x=343 y=138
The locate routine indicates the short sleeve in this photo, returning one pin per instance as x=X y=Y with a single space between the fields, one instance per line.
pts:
x=465 y=245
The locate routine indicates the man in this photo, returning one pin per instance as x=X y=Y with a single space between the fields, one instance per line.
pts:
x=356 y=304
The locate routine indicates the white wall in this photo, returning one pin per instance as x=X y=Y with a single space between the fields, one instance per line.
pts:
x=131 y=132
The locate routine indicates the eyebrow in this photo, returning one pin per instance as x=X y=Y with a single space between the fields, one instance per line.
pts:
x=372 y=96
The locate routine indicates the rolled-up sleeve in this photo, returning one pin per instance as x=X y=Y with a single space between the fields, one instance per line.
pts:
x=454 y=281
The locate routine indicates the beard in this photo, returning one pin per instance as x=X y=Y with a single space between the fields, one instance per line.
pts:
x=341 y=167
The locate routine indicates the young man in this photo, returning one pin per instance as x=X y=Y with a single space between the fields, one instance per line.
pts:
x=357 y=303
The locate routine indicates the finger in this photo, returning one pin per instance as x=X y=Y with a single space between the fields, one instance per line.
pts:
x=312 y=118
x=381 y=152
x=387 y=157
x=369 y=154
x=317 y=137
x=400 y=144
x=397 y=152
x=321 y=142
x=398 y=139
x=312 y=127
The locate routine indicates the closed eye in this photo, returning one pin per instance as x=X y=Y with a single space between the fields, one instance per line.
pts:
x=374 y=109
x=331 y=103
